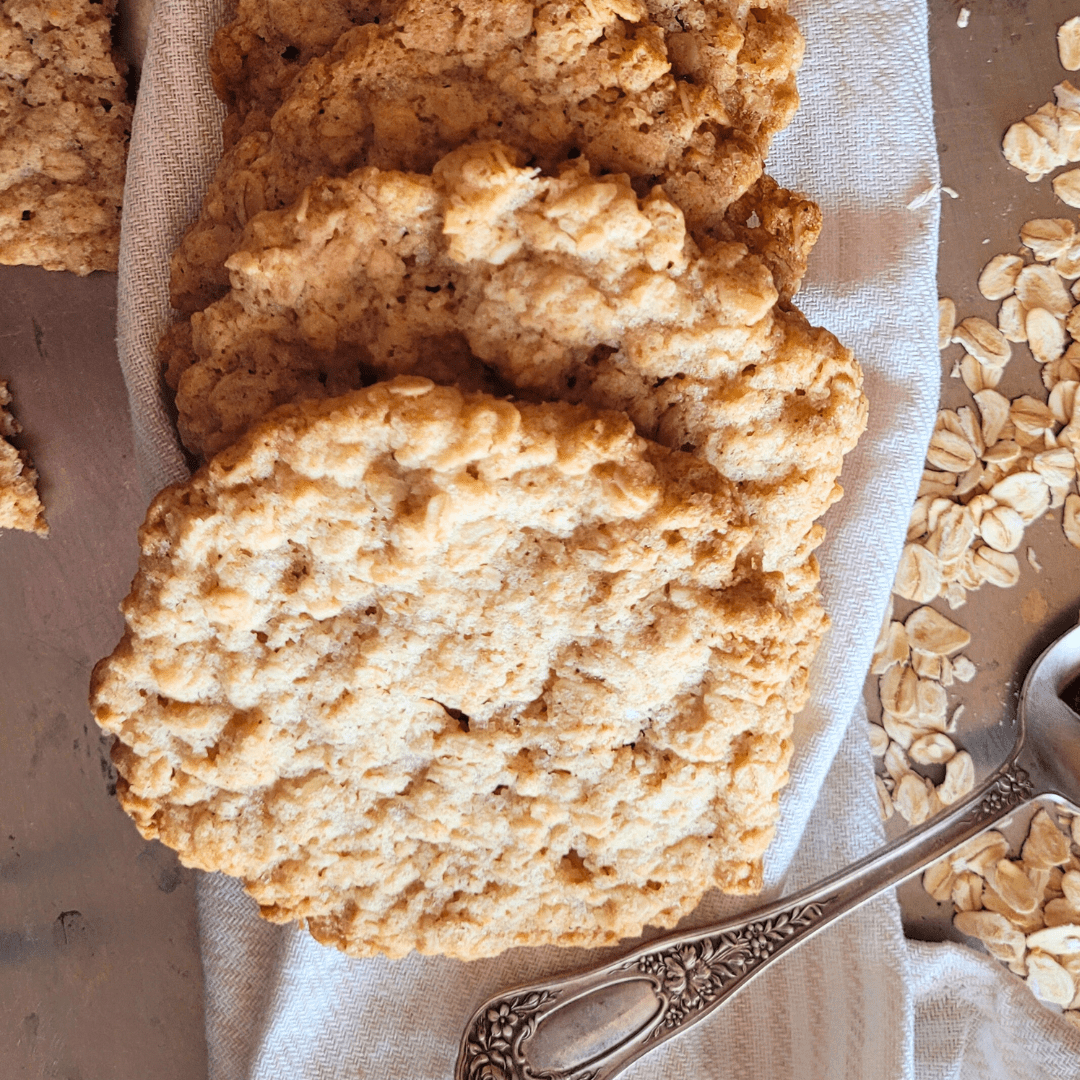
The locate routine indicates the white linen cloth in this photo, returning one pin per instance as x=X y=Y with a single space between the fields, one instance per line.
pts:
x=857 y=1001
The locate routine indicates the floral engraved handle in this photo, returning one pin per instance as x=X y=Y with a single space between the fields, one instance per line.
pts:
x=493 y=1045
x=1012 y=787
x=695 y=975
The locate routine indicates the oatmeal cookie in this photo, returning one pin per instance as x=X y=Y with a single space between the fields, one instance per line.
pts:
x=435 y=671
x=64 y=125
x=20 y=507
x=566 y=287
x=552 y=79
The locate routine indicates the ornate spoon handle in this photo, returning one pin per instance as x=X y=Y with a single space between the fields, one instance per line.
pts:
x=591 y=1026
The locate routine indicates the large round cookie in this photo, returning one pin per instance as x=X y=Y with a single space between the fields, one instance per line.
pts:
x=435 y=671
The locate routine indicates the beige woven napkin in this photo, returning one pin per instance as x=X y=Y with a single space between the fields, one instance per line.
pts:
x=843 y=1006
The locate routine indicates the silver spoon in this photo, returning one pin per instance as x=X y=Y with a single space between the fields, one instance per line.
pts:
x=590 y=1026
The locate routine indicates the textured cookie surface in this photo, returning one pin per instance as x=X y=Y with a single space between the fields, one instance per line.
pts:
x=20 y=507
x=64 y=124
x=433 y=671
x=692 y=110
x=568 y=287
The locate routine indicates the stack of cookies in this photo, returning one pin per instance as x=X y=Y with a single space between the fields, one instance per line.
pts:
x=486 y=621
x=64 y=125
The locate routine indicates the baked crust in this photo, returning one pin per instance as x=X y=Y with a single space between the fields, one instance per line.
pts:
x=64 y=126
x=435 y=671
x=568 y=287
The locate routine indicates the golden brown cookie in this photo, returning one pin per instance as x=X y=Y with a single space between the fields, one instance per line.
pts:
x=568 y=287
x=64 y=126
x=435 y=671
x=20 y=507
x=693 y=110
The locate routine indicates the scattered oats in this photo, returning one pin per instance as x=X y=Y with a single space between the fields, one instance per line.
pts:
x=946 y=672
x=967 y=425
x=1009 y=881
x=933 y=749
x=959 y=778
x=1000 y=568
x=984 y=341
x=1001 y=939
x=1002 y=528
x=1025 y=492
x=994 y=411
x=1029 y=151
x=1068 y=40
x=1031 y=415
x=1070 y=887
x=896 y=764
x=1071 y=1016
x=963 y=669
x=967 y=892
x=950 y=727
x=1011 y=319
x=954 y=371
x=938 y=879
x=1063 y=370
x=892 y=649
x=963 y=17
x=980 y=852
x=969 y=481
x=1067 y=264
x=879 y=740
x=1071 y=521
x=1033 y=561
x=898 y=690
x=1048 y=239
x=919 y=575
x=1062 y=401
x=885 y=803
x=951 y=192
x=937 y=483
x=1045 y=335
x=926 y=665
x=932 y=703
x=929 y=631
x=946 y=313
x=918 y=522
x=1039 y=286
x=951 y=536
x=1048 y=980
x=901 y=732
x=911 y=799
x=979 y=507
x=955 y=595
x=978 y=376
x=1046 y=845
x=1066 y=187
x=998 y=277
x=1061 y=940
x=950 y=452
